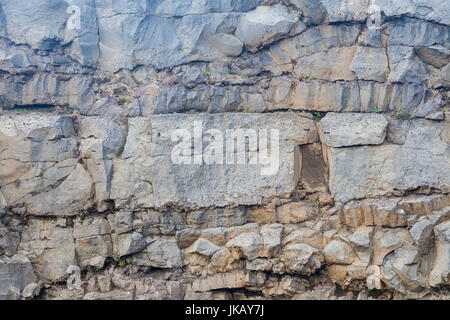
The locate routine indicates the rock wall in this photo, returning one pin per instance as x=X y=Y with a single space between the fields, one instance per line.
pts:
x=91 y=92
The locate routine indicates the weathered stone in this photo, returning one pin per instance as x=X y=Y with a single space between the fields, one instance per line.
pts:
x=163 y=253
x=264 y=25
x=301 y=259
x=231 y=280
x=373 y=38
x=359 y=171
x=370 y=64
x=405 y=66
x=128 y=243
x=93 y=242
x=31 y=290
x=338 y=252
x=306 y=236
x=271 y=235
x=386 y=241
x=15 y=274
x=350 y=129
x=294 y=212
x=440 y=272
x=203 y=247
x=437 y=56
x=9 y=242
x=154 y=190
x=313 y=11
x=258 y=265
x=217 y=218
x=331 y=65
x=247 y=245
x=383 y=212
x=422 y=205
x=50 y=249
x=422 y=232
x=123 y=222
x=400 y=271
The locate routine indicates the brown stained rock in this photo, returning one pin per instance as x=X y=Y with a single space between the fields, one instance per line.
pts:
x=424 y=204
x=374 y=213
x=314 y=171
x=230 y=280
x=295 y=212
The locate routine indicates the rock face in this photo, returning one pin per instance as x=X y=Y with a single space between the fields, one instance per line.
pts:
x=221 y=149
x=358 y=172
x=233 y=175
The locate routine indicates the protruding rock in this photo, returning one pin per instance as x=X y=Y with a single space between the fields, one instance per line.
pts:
x=264 y=25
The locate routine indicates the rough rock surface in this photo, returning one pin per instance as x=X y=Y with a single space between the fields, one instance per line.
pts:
x=221 y=149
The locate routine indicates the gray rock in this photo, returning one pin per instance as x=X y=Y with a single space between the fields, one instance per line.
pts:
x=405 y=66
x=373 y=38
x=163 y=253
x=264 y=25
x=15 y=274
x=203 y=247
x=358 y=172
x=157 y=181
x=9 y=241
x=433 y=10
x=421 y=231
x=361 y=238
x=50 y=249
x=123 y=222
x=331 y=65
x=128 y=243
x=31 y=290
x=301 y=259
x=400 y=271
x=313 y=11
x=350 y=129
x=338 y=252
x=441 y=266
x=345 y=10
x=272 y=235
x=93 y=242
x=370 y=64
x=248 y=245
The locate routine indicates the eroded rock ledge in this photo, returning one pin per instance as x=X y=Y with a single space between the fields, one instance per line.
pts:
x=360 y=199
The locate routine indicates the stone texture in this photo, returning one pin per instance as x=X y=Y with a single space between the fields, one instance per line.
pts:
x=301 y=259
x=163 y=253
x=370 y=64
x=350 y=129
x=93 y=242
x=359 y=171
x=15 y=274
x=331 y=65
x=154 y=191
x=50 y=249
x=264 y=25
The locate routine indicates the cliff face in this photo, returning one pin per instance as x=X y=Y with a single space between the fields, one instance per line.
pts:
x=339 y=177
